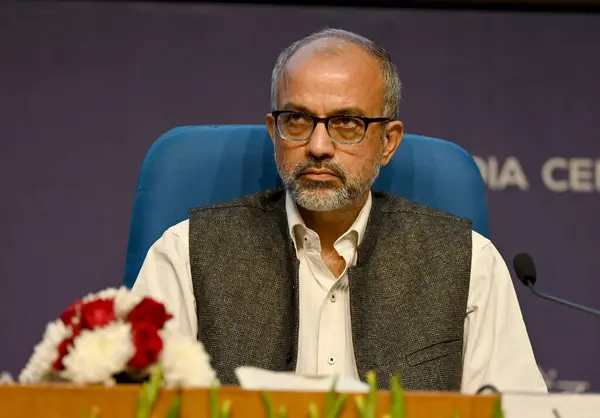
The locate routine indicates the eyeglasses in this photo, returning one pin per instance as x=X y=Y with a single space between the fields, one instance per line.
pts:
x=298 y=126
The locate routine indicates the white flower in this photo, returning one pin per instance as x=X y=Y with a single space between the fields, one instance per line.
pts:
x=125 y=301
x=99 y=354
x=185 y=363
x=6 y=379
x=103 y=294
x=39 y=366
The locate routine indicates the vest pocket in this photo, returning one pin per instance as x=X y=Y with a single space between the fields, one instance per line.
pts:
x=434 y=351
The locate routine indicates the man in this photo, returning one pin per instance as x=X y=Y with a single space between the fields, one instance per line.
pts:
x=327 y=277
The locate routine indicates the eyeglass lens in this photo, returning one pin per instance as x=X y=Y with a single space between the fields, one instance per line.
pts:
x=298 y=127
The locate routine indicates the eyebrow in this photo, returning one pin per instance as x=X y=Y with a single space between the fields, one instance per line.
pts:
x=345 y=111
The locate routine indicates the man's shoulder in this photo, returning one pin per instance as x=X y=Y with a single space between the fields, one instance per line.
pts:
x=179 y=230
x=264 y=201
x=480 y=242
x=392 y=204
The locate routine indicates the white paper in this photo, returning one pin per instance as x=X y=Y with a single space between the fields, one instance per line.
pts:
x=251 y=378
x=550 y=405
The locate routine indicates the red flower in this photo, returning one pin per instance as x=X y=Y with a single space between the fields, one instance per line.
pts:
x=71 y=315
x=63 y=350
x=149 y=311
x=148 y=345
x=97 y=313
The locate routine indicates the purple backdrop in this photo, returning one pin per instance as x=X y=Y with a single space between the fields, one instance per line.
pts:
x=86 y=88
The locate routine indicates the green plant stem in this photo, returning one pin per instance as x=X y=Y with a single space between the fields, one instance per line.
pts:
x=282 y=412
x=226 y=409
x=213 y=401
x=497 y=411
x=148 y=395
x=175 y=407
x=268 y=405
x=397 y=409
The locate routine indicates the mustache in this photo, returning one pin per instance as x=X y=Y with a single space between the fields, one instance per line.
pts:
x=336 y=169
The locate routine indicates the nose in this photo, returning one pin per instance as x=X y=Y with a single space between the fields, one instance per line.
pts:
x=319 y=144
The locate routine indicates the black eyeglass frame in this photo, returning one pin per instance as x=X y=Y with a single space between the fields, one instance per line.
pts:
x=316 y=120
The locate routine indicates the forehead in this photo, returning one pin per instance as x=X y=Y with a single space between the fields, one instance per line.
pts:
x=328 y=74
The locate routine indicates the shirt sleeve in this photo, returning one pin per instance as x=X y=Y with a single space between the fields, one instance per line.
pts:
x=497 y=350
x=165 y=276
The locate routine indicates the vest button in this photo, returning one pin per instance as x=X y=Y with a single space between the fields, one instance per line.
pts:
x=289 y=358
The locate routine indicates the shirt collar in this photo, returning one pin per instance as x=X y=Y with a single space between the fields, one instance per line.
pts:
x=295 y=220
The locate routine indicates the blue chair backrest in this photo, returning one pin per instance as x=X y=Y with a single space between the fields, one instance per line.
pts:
x=193 y=166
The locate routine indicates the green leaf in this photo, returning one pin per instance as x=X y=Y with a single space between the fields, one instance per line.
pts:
x=360 y=405
x=154 y=386
x=216 y=410
x=175 y=408
x=336 y=409
x=372 y=397
x=368 y=408
x=497 y=409
x=226 y=409
x=142 y=407
x=330 y=398
x=333 y=401
x=397 y=409
x=148 y=394
x=313 y=411
x=213 y=401
x=268 y=404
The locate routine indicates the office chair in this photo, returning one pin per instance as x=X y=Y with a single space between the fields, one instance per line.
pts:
x=199 y=165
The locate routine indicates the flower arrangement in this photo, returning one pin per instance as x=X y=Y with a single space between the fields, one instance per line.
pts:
x=115 y=336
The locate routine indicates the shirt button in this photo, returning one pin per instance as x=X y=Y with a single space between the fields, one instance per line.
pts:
x=331 y=360
x=332 y=298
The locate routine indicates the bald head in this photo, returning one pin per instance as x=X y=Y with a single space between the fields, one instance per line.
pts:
x=328 y=46
x=342 y=91
x=345 y=49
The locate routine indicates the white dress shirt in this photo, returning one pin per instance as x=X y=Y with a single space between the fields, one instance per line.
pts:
x=496 y=347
